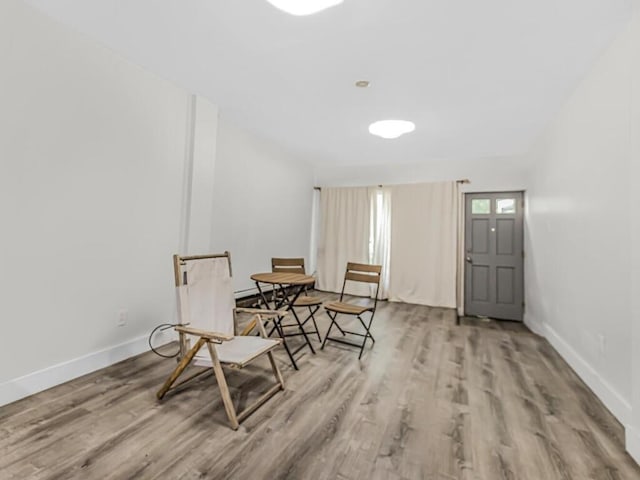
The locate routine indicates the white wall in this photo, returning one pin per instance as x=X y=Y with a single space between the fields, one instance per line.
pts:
x=578 y=234
x=486 y=174
x=262 y=199
x=106 y=171
x=633 y=430
x=91 y=173
x=199 y=176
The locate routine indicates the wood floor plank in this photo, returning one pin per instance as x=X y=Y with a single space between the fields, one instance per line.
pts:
x=430 y=400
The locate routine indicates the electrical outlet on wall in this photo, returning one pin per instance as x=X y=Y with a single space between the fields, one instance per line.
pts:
x=123 y=316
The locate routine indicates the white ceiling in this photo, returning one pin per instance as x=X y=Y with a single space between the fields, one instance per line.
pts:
x=479 y=78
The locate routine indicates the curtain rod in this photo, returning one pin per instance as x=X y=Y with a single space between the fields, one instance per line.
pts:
x=462 y=181
x=320 y=188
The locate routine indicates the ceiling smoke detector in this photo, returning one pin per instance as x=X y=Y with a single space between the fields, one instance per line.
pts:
x=306 y=7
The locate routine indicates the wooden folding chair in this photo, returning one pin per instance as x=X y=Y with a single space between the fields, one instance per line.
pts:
x=356 y=272
x=296 y=265
x=206 y=307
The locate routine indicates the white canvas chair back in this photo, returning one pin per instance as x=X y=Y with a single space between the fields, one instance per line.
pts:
x=205 y=295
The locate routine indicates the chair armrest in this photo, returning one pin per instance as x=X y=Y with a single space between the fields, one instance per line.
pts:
x=220 y=337
x=263 y=312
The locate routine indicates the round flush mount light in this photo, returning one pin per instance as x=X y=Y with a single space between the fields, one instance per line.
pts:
x=391 y=128
x=363 y=83
x=306 y=7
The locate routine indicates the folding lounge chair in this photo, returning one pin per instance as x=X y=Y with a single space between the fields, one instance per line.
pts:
x=296 y=265
x=356 y=272
x=207 y=328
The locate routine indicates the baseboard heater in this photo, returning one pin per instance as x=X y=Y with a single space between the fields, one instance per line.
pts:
x=250 y=297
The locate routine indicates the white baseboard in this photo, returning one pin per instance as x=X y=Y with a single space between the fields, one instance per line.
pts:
x=35 y=382
x=245 y=293
x=632 y=442
x=533 y=325
x=251 y=291
x=612 y=399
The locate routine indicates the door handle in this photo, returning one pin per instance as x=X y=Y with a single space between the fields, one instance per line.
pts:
x=469 y=260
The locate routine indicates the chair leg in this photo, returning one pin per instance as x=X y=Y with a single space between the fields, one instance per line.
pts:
x=367 y=328
x=367 y=334
x=224 y=389
x=250 y=326
x=263 y=333
x=313 y=319
x=341 y=330
x=273 y=329
x=276 y=370
x=184 y=363
x=333 y=322
x=362 y=348
x=302 y=331
x=276 y=323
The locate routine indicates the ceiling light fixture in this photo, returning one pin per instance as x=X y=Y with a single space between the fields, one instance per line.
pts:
x=306 y=7
x=362 y=83
x=391 y=128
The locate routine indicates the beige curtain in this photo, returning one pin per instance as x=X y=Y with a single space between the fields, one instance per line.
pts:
x=344 y=236
x=424 y=244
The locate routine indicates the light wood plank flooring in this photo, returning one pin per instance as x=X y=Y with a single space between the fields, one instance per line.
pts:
x=431 y=400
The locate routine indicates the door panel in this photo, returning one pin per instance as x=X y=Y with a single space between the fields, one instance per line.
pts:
x=504 y=287
x=494 y=267
x=480 y=282
x=480 y=234
x=504 y=236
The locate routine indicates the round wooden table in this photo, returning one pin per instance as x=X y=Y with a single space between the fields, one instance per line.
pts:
x=283 y=278
x=280 y=281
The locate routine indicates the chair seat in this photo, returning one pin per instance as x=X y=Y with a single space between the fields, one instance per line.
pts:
x=239 y=351
x=307 y=301
x=346 y=308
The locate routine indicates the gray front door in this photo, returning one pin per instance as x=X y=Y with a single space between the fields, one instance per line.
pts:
x=494 y=255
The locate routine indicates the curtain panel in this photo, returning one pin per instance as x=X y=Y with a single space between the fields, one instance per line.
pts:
x=413 y=231
x=345 y=217
x=424 y=244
